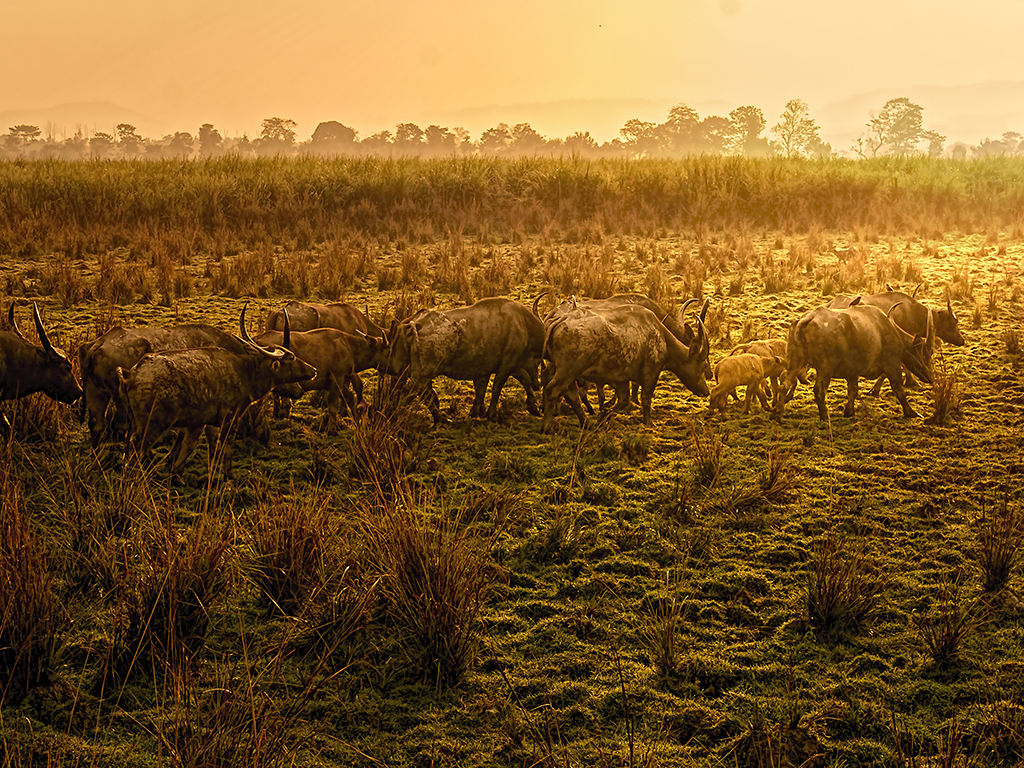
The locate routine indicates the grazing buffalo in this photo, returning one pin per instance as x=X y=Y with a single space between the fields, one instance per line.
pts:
x=345 y=317
x=194 y=390
x=746 y=369
x=862 y=341
x=912 y=316
x=26 y=368
x=627 y=393
x=618 y=345
x=494 y=336
x=328 y=350
x=123 y=348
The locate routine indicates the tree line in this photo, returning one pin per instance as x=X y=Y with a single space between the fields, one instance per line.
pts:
x=897 y=129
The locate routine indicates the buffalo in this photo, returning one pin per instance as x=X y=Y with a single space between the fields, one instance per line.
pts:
x=494 y=336
x=862 y=341
x=912 y=316
x=196 y=390
x=616 y=346
x=303 y=316
x=26 y=368
x=749 y=370
x=124 y=347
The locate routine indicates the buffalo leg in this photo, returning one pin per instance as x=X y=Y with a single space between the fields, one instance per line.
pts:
x=820 y=389
x=479 y=397
x=851 y=396
x=753 y=390
x=183 y=449
x=896 y=382
x=500 y=377
x=530 y=384
x=626 y=394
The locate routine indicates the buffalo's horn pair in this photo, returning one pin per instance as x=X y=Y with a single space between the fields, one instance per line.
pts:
x=277 y=353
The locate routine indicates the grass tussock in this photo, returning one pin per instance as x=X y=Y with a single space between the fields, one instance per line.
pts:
x=844 y=590
x=31 y=619
x=999 y=546
x=434 y=572
x=945 y=631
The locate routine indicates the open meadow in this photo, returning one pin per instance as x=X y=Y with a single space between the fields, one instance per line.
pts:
x=715 y=589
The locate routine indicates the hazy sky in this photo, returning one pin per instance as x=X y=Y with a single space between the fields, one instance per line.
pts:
x=373 y=64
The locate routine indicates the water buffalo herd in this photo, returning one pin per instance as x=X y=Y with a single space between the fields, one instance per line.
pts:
x=139 y=384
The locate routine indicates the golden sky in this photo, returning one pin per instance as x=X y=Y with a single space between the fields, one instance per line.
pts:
x=373 y=64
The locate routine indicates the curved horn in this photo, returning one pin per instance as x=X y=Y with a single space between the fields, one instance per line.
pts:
x=704 y=309
x=241 y=325
x=914 y=294
x=896 y=325
x=39 y=328
x=682 y=310
x=248 y=339
x=949 y=306
x=13 y=322
x=287 y=331
x=536 y=301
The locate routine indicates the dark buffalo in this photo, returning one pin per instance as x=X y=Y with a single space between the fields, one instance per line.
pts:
x=625 y=394
x=193 y=390
x=123 y=348
x=332 y=353
x=303 y=316
x=614 y=346
x=912 y=316
x=26 y=368
x=495 y=336
x=859 y=342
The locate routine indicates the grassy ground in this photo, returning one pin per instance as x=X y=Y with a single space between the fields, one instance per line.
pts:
x=715 y=589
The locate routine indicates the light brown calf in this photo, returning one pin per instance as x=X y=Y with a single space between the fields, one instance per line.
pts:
x=744 y=369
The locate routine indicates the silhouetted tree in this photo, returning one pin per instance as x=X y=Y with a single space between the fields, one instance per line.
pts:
x=20 y=135
x=101 y=144
x=128 y=139
x=496 y=140
x=580 y=143
x=717 y=135
x=379 y=143
x=210 y=140
x=408 y=138
x=277 y=137
x=898 y=128
x=796 y=132
x=525 y=140
x=332 y=137
x=748 y=123
x=681 y=134
x=440 y=141
x=181 y=145
x=639 y=137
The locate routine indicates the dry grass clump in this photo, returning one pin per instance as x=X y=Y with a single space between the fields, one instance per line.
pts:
x=947 y=392
x=844 y=591
x=953 y=621
x=998 y=552
x=434 y=571
x=31 y=618
x=707 y=453
x=288 y=540
x=171 y=580
x=1011 y=340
